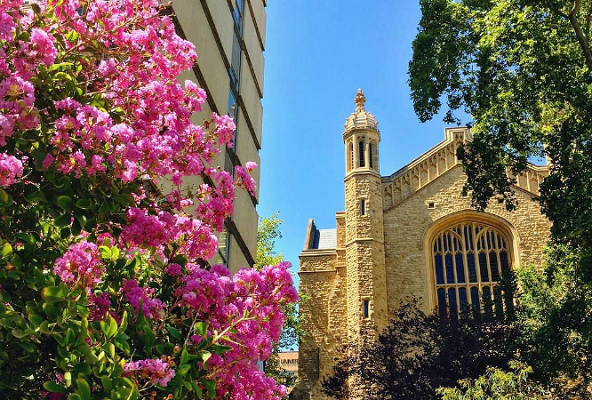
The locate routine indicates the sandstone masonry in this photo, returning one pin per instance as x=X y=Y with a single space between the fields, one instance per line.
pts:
x=381 y=252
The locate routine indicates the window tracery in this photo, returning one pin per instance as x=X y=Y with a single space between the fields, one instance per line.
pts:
x=469 y=260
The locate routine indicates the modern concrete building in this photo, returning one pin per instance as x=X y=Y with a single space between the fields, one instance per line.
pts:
x=410 y=234
x=229 y=38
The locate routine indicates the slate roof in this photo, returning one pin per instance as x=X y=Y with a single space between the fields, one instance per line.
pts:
x=325 y=239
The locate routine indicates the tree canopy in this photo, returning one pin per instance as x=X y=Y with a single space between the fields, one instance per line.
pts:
x=523 y=70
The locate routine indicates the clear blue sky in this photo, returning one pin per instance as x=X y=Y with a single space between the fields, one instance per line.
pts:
x=318 y=54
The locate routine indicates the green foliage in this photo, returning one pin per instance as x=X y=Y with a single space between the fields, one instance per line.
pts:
x=267 y=233
x=418 y=353
x=523 y=70
x=498 y=384
x=556 y=314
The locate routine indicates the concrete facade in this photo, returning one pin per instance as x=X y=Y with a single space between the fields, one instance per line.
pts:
x=384 y=247
x=229 y=38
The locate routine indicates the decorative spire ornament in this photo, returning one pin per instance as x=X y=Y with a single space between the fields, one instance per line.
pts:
x=360 y=100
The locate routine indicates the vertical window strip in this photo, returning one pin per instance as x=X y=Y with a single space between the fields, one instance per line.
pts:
x=361 y=157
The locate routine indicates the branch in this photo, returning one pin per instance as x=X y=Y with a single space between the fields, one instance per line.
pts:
x=573 y=18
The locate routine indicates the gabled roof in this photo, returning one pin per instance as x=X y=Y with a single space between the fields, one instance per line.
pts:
x=436 y=162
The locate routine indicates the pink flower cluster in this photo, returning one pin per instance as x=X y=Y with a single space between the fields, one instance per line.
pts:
x=142 y=296
x=195 y=238
x=153 y=370
x=10 y=169
x=223 y=300
x=80 y=265
x=117 y=114
x=244 y=177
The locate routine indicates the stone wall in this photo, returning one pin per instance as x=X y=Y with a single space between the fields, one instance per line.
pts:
x=407 y=263
x=324 y=310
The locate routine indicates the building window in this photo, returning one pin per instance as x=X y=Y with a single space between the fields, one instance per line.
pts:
x=366 y=306
x=363 y=207
x=361 y=154
x=469 y=262
x=235 y=61
x=371 y=155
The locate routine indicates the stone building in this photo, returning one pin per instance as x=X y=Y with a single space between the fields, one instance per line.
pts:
x=229 y=38
x=409 y=234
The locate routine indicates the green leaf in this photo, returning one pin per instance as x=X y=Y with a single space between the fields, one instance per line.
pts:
x=3 y=196
x=110 y=347
x=6 y=249
x=35 y=197
x=197 y=390
x=125 y=199
x=85 y=204
x=211 y=387
x=83 y=388
x=63 y=220
x=54 y=293
x=220 y=349
x=107 y=385
x=184 y=357
x=183 y=369
x=53 y=387
x=174 y=332
x=65 y=202
x=201 y=329
x=205 y=355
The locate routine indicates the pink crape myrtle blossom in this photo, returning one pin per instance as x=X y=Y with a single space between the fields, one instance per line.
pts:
x=225 y=298
x=80 y=265
x=98 y=151
x=137 y=295
x=10 y=169
x=155 y=371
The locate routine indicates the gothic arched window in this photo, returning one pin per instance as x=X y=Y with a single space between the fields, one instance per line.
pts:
x=469 y=260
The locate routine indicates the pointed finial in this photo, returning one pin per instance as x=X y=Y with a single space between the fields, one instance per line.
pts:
x=360 y=100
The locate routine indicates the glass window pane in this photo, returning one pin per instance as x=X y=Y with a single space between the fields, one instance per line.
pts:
x=452 y=303
x=499 y=303
x=504 y=262
x=469 y=237
x=361 y=154
x=462 y=297
x=460 y=268
x=442 y=303
x=472 y=268
x=476 y=303
x=439 y=270
x=449 y=269
x=495 y=276
x=483 y=266
x=487 y=302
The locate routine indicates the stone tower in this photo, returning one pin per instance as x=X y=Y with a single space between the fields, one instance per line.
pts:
x=410 y=234
x=364 y=232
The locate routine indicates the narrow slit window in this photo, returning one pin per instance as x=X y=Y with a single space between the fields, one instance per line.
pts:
x=366 y=308
x=361 y=154
x=363 y=207
x=371 y=155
